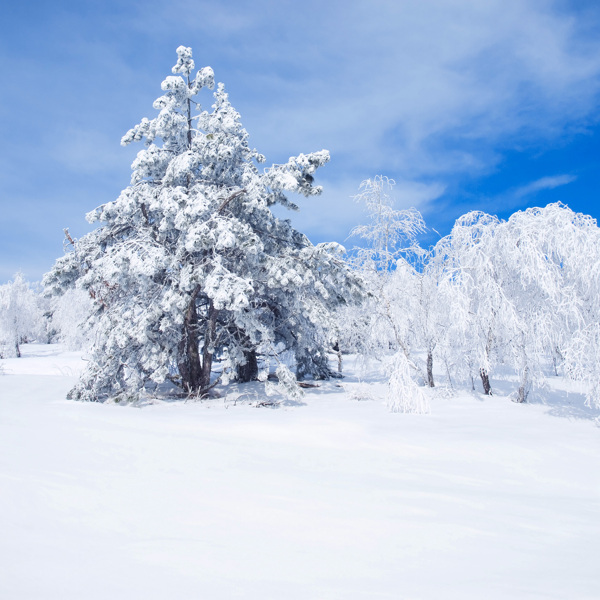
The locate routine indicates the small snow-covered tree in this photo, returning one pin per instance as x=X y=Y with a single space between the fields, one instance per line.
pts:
x=20 y=315
x=189 y=263
x=389 y=239
x=385 y=324
x=432 y=314
x=390 y=233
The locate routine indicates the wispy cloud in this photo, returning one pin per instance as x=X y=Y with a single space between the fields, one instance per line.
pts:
x=419 y=88
x=544 y=183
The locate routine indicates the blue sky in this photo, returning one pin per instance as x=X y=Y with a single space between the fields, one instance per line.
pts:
x=467 y=104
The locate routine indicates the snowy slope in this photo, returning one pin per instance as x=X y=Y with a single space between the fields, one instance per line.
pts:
x=329 y=499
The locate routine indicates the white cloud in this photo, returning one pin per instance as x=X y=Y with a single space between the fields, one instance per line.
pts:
x=421 y=91
x=413 y=89
x=519 y=197
x=544 y=183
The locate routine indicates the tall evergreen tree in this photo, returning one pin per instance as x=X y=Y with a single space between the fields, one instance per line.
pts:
x=189 y=262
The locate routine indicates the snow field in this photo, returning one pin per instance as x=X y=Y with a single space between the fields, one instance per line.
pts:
x=330 y=499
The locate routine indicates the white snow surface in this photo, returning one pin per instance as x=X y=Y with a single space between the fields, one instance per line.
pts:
x=331 y=498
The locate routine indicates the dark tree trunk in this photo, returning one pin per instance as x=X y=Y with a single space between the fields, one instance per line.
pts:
x=249 y=370
x=189 y=365
x=524 y=387
x=17 y=350
x=340 y=360
x=430 y=381
x=485 y=380
x=208 y=350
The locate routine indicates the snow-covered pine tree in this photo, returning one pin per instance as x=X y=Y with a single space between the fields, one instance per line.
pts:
x=190 y=262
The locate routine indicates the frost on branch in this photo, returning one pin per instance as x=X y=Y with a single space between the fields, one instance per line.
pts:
x=185 y=63
x=189 y=265
x=391 y=233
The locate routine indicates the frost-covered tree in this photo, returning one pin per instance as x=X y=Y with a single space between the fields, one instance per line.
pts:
x=385 y=325
x=493 y=296
x=385 y=261
x=477 y=300
x=523 y=293
x=430 y=308
x=390 y=233
x=189 y=263
x=555 y=254
x=20 y=315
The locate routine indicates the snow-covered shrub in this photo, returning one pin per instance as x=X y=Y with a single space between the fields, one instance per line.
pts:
x=403 y=394
x=359 y=391
x=582 y=360
x=286 y=384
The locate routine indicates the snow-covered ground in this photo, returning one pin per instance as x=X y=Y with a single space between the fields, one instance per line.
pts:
x=332 y=498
